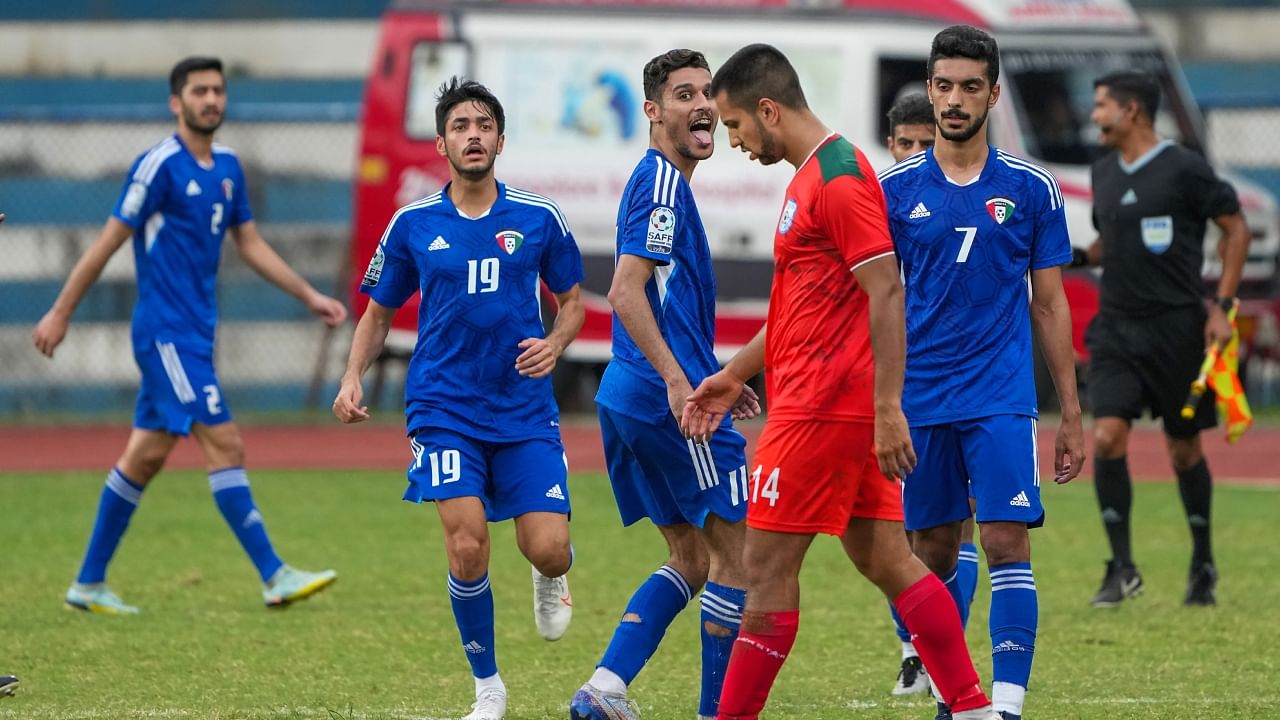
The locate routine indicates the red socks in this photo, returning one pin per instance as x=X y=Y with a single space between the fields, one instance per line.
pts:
x=757 y=657
x=930 y=614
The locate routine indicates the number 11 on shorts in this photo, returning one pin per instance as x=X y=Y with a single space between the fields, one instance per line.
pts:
x=769 y=491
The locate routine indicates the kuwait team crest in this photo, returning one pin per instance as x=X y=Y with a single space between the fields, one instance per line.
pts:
x=1000 y=209
x=509 y=240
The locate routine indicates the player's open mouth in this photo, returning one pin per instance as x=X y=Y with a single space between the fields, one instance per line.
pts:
x=701 y=128
x=474 y=151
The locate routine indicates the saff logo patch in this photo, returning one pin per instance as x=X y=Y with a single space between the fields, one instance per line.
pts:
x=509 y=240
x=228 y=187
x=662 y=231
x=788 y=216
x=1000 y=209
x=374 y=272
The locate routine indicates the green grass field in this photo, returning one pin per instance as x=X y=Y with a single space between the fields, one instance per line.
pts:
x=382 y=644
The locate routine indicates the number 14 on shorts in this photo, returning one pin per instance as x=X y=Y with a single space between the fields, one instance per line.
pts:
x=769 y=490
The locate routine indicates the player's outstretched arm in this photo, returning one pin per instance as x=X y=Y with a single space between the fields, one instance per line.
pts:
x=538 y=356
x=1051 y=316
x=722 y=392
x=52 y=328
x=879 y=279
x=366 y=345
x=265 y=261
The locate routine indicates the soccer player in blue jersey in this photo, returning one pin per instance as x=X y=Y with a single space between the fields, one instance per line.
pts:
x=482 y=419
x=695 y=492
x=181 y=197
x=912 y=130
x=981 y=237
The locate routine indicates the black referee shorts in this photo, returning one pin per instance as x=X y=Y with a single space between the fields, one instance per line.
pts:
x=1148 y=363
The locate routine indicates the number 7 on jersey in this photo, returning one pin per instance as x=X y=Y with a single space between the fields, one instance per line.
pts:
x=969 y=234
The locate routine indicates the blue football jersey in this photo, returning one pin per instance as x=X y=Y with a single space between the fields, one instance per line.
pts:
x=180 y=210
x=658 y=220
x=479 y=279
x=967 y=253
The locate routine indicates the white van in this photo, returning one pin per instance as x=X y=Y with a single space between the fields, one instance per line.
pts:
x=569 y=77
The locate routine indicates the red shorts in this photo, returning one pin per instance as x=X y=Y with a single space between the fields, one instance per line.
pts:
x=815 y=476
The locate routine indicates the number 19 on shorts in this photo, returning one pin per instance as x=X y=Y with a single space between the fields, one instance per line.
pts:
x=769 y=490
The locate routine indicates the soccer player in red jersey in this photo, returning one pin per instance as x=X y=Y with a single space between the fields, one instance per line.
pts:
x=836 y=441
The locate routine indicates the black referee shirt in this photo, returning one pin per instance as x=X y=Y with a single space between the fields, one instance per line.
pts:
x=1151 y=217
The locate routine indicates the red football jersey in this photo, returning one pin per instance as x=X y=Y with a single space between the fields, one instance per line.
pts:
x=818 y=361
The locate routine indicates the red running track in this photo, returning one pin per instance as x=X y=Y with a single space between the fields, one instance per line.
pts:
x=1254 y=459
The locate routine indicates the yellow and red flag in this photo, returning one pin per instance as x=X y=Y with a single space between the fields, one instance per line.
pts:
x=1224 y=378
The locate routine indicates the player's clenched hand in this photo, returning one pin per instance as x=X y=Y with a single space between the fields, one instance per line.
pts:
x=539 y=357
x=894 y=452
x=347 y=405
x=49 y=332
x=1068 y=450
x=327 y=309
x=748 y=405
x=708 y=404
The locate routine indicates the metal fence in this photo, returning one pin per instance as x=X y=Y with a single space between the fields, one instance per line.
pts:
x=58 y=183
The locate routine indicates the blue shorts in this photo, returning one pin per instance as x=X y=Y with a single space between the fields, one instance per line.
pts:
x=659 y=474
x=991 y=459
x=179 y=387
x=510 y=478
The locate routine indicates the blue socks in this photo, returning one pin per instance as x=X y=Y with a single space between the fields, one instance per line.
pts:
x=230 y=488
x=473 y=612
x=1014 y=617
x=120 y=498
x=967 y=572
x=650 y=611
x=721 y=605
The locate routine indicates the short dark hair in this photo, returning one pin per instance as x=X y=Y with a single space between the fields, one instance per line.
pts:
x=1132 y=85
x=966 y=41
x=458 y=91
x=759 y=71
x=911 y=109
x=657 y=70
x=186 y=66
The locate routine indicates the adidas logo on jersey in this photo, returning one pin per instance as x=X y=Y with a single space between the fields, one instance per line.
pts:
x=473 y=648
x=919 y=211
x=555 y=493
x=438 y=244
x=193 y=188
x=1129 y=198
x=1020 y=500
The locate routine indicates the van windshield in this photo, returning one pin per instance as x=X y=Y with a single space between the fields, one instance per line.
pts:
x=1053 y=89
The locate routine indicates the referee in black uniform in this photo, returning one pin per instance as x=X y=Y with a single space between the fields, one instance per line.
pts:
x=1151 y=200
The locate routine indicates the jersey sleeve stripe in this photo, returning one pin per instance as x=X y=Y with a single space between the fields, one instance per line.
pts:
x=534 y=198
x=912 y=162
x=545 y=204
x=427 y=201
x=1055 y=194
x=665 y=181
x=154 y=158
x=860 y=263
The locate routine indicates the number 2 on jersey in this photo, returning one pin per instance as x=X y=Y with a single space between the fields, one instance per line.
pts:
x=969 y=234
x=482 y=276
x=216 y=220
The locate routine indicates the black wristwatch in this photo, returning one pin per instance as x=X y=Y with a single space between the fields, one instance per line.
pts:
x=1226 y=303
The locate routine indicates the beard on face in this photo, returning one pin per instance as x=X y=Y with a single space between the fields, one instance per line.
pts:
x=195 y=121
x=682 y=141
x=964 y=133
x=769 y=152
x=472 y=173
